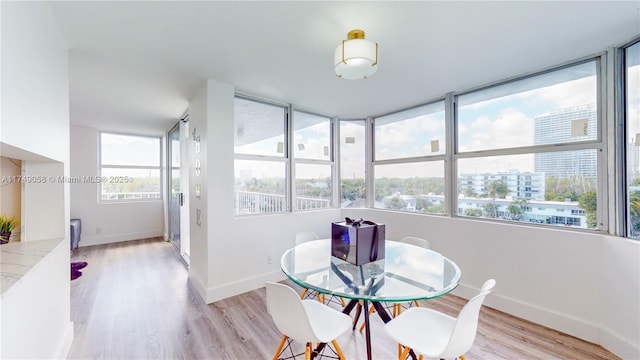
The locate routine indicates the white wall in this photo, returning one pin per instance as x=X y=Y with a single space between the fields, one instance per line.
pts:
x=44 y=201
x=35 y=124
x=35 y=81
x=198 y=229
x=621 y=300
x=230 y=255
x=35 y=315
x=117 y=221
x=575 y=282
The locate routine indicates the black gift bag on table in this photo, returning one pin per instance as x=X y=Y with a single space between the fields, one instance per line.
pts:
x=357 y=241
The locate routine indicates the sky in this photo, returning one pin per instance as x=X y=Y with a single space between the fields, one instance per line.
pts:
x=119 y=149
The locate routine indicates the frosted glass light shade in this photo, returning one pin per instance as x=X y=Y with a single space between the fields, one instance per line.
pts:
x=356 y=59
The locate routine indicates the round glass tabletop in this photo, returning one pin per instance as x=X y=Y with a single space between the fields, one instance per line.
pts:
x=407 y=272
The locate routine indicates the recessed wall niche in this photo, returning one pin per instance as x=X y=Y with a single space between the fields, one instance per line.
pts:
x=11 y=191
x=34 y=193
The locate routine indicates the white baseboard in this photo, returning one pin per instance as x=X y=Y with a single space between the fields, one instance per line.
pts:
x=619 y=345
x=110 y=239
x=65 y=343
x=561 y=322
x=197 y=284
x=558 y=321
x=237 y=288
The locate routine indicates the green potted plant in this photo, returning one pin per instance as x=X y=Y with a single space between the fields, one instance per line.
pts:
x=7 y=223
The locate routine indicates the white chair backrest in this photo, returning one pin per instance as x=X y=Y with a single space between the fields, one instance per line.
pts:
x=305 y=236
x=415 y=241
x=286 y=310
x=465 y=329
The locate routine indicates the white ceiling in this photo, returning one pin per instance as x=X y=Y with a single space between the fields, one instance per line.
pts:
x=134 y=65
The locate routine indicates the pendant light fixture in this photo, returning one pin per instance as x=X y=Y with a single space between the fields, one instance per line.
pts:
x=356 y=58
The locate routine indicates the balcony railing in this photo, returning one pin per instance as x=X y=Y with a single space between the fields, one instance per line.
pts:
x=152 y=195
x=248 y=202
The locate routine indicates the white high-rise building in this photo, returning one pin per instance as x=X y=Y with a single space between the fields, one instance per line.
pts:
x=520 y=185
x=572 y=124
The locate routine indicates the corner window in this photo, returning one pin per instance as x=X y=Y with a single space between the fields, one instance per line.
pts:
x=528 y=149
x=129 y=167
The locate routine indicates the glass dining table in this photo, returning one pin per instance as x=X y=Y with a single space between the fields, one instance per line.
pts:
x=407 y=273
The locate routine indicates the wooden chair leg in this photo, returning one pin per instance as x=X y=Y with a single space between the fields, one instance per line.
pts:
x=343 y=302
x=338 y=350
x=321 y=297
x=304 y=292
x=397 y=309
x=284 y=339
x=461 y=357
x=307 y=351
x=416 y=303
x=404 y=353
x=371 y=311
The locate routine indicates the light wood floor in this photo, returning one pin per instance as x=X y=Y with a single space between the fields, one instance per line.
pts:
x=133 y=301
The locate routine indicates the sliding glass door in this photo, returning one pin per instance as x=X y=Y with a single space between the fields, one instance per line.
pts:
x=176 y=197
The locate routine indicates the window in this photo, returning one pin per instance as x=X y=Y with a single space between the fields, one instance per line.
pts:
x=352 y=163
x=632 y=137
x=543 y=131
x=129 y=167
x=313 y=159
x=409 y=152
x=261 y=156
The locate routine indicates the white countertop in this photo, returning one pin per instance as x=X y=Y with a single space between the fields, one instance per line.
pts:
x=17 y=258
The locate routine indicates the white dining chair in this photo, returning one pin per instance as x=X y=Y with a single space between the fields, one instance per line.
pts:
x=423 y=243
x=305 y=236
x=396 y=307
x=432 y=334
x=304 y=321
x=415 y=241
x=302 y=237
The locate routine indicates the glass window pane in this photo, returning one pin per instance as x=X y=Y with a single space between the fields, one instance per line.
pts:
x=130 y=184
x=415 y=187
x=259 y=128
x=415 y=132
x=352 y=163
x=128 y=150
x=311 y=136
x=632 y=61
x=553 y=108
x=174 y=150
x=259 y=187
x=313 y=186
x=557 y=188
